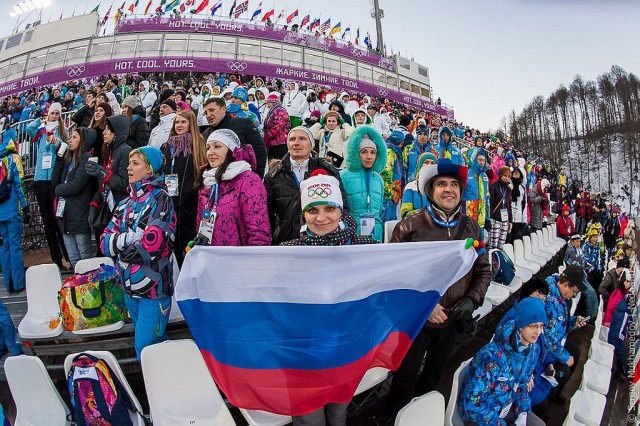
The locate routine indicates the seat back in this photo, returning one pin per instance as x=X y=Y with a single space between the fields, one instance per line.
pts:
x=37 y=399
x=194 y=398
x=388 y=229
x=518 y=248
x=430 y=405
x=43 y=283
x=452 y=415
x=111 y=360
x=86 y=265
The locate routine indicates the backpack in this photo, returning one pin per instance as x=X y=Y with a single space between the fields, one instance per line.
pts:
x=503 y=268
x=5 y=180
x=97 y=396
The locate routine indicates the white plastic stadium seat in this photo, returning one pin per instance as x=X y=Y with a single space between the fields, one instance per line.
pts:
x=547 y=241
x=590 y=407
x=37 y=399
x=429 y=405
x=521 y=261
x=86 y=265
x=536 y=241
x=43 y=283
x=388 y=229
x=528 y=252
x=554 y=235
x=111 y=360
x=497 y=293
x=452 y=416
x=570 y=419
x=483 y=310
x=596 y=377
x=601 y=353
x=194 y=397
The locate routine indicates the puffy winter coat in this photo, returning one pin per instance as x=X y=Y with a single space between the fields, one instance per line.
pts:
x=37 y=131
x=283 y=197
x=608 y=285
x=160 y=133
x=336 y=143
x=497 y=378
x=117 y=179
x=295 y=102
x=538 y=203
x=444 y=147
x=560 y=322
x=564 y=226
x=500 y=198
x=16 y=199
x=475 y=177
x=276 y=127
x=72 y=183
x=410 y=157
x=144 y=267
x=412 y=199
x=242 y=211
x=364 y=189
x=139 y=131
x=616 y=297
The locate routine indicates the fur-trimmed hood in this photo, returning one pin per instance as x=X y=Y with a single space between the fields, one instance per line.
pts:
x=353 y=149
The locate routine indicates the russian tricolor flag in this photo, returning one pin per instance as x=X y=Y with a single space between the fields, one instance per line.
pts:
x=291 y=329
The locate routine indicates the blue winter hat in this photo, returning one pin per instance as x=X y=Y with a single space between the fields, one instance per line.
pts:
x=530 y=311
x=152 y=156
x=396 y=137
x=240 y=93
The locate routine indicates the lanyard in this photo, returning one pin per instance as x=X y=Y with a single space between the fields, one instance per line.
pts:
x=504 y=194
x=367 y=176
x=69 y=168
x=295 y=177
x=213 y=194
x=173 y=159
x=137 y=221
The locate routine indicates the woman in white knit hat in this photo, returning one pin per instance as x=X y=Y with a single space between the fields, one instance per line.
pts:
x=325 y=224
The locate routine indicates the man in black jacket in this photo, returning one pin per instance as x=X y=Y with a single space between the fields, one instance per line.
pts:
x=215 y=110
x=283 y=185
x=82 y=117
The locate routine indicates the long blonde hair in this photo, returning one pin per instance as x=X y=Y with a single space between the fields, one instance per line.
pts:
x=199 y=144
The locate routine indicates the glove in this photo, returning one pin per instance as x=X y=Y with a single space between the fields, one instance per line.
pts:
x=26 y=216
x=92 y=217
x=463 y=309
x=521 y=420
x=94 y=169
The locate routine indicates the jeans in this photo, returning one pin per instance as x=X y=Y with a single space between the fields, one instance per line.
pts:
x=330 y=415
x=581 y=225
x=11 y=253
x=150 y=318
x=44 y=195
x=78 y=246
x=8 y=332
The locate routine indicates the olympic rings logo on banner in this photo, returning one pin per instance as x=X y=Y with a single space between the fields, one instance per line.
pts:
x=237 y=66
x=75 y=71
x=315 y=193
x=382 y=92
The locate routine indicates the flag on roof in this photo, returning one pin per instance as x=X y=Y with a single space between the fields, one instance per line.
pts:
x=132 y=7
x=315 y=24
x=146 y=9
x=233 y=7
x=346 y=31
x=106 y=16
x=171 y=5
x=305 y=21
x=242 y=8
x=95 y=9
x=357 y=36
x=367 y=41
x=203 y=5
x=257 y=12
x=280 y=15
x=268 y=15
x=337 y=28
x=216 y=7
x=293 y=15
x=301 y=335
x=326 y=25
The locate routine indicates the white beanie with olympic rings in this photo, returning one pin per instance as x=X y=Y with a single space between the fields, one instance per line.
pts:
x=320 y=189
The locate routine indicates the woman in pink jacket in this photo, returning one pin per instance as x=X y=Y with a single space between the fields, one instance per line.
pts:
x=232 y=201
x=618 y=295
x=276 y=128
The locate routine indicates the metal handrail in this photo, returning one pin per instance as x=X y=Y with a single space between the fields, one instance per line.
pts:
x=26 y=149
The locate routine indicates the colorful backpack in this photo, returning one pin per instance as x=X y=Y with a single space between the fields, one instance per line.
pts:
x=97 y=396
x=5 y=179
x=503 y=268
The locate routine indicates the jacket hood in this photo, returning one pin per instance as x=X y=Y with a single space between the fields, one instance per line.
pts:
x=296 y=87
x=146 y=185
x=474 y=164
x=340 y=106
x=90 y=137
x=120 y=124
x=503 y=334
x=8 y=145
x=353 y=149
x=145 y=83
x=139 y=110
x=442 y=143
x=367 y=119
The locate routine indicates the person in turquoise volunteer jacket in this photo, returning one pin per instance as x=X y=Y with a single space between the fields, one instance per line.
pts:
x=47 y=133
x=366 y=158
x=445 y=149
x=11 y=197
x=495 y=390
x=476 y=193
x=414 y=150
x=412 y=198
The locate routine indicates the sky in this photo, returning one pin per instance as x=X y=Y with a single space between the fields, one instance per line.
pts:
x=484 y=57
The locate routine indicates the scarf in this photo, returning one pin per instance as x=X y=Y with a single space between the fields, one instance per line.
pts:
x=233 y=170
x=482 y=202
x=181 y=145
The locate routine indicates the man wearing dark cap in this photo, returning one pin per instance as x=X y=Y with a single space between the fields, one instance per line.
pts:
x=611 y=279
x=563 y=288
x=440 y=220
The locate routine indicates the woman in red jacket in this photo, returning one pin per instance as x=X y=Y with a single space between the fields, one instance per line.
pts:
x=564 y=224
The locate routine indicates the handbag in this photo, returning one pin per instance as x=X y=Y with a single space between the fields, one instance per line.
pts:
x=103 y=216
x=92 y=299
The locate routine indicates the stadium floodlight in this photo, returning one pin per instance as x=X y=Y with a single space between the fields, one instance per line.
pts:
x=28 y=6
